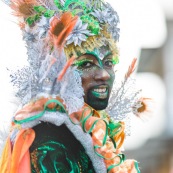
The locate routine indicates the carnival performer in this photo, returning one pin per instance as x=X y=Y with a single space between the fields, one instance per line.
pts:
x=69 y=120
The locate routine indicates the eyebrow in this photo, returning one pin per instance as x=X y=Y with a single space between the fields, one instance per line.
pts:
x=108 y=53
x=79 y=62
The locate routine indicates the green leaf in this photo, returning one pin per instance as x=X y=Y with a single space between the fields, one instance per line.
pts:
x=30 y=20
x=94 y=30
x=49 y=13
x=39 y=9
x=77 y=11
x=57 y=3
x=93 y=25
x=37 y=17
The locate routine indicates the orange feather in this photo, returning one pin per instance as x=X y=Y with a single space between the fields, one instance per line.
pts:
x=61 y=28
x=67 y=65
x=131 y=68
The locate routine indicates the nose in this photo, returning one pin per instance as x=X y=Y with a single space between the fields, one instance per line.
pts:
x=101 y=74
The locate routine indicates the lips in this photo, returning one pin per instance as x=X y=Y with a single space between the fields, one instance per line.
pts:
x=100 y=91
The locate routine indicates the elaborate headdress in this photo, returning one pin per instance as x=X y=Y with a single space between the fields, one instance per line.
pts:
x=55 y=33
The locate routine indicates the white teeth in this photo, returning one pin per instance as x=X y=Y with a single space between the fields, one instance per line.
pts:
x=100 y=90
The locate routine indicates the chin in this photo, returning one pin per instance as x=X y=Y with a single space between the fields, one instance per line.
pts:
x=96 y=103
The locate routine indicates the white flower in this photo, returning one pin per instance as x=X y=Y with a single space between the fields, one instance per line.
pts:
x=79 y=34
x=109 y=16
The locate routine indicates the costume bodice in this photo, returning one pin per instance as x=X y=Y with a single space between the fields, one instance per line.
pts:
x=58 y=151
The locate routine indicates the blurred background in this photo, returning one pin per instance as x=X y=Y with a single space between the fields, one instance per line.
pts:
x=147 y=34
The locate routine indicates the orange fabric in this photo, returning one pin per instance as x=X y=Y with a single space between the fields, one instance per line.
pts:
x=98 y=133
x=33 y=107
x=25 y=166
x=18 y=159
x=120 y=136
x=127 y=167
x=107 y=151
x=20 y=151
x=6 y=157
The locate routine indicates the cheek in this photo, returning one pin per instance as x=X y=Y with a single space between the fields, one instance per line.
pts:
x=112 y=77
x=87 y=78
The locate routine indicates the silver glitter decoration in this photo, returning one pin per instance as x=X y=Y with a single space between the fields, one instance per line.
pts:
x=122 y=101
x=108 y=15
x=42 y=28
x=48 y=4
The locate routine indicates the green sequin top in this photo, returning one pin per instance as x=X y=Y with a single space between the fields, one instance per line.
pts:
x=56 y=150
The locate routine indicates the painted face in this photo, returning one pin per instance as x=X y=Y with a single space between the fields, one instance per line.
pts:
x=97 y=75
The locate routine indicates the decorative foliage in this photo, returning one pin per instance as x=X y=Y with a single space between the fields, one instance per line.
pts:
x=59 y=4
x=109 y=16
x=42 y=28
x=125 y=97
x=26 y=82
x=90 y=23
x=40 y=11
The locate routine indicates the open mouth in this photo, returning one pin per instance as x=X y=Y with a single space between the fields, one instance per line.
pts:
x=100 y=92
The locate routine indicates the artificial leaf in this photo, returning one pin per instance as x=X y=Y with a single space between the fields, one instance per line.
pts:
x=49 y=13
x=39 y=9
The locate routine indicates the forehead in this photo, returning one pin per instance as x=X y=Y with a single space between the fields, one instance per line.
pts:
x=98 y=53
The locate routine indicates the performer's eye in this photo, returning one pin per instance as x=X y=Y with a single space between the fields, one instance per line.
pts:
x=84 y=63
x=109 y=63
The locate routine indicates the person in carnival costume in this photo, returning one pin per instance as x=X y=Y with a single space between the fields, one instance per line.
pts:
x=69 y=120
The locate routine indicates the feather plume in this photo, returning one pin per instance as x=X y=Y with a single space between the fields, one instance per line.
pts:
x=131 y=68
x=143 y=108
x=23 y=8
x=61 y=28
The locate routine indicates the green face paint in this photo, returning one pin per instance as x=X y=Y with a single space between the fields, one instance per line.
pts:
x=81 y=62
x=100 y=54
x=100 y=95
x=97 y=72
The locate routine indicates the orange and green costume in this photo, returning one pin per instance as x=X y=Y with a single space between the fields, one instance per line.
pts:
x=28 y=151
